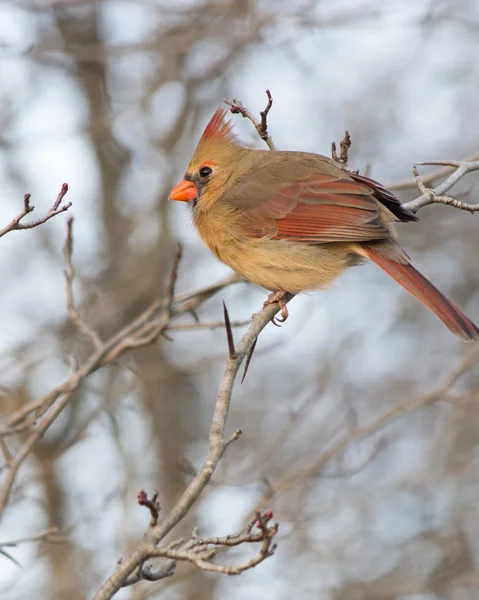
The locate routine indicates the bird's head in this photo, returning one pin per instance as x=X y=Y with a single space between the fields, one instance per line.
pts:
x=216 y=162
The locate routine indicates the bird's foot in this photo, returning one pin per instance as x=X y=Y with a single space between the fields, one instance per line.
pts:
x=280 y=298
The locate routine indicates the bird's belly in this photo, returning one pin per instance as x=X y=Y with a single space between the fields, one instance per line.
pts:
x=284 y=265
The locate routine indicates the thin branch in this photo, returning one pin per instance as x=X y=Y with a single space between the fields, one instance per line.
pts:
x=207 y=325
x=170 y=290
x=229 y=333
x=430 y=177
x=263 y=130
x=190 y=301
x=56 y=209
x=10 y=557
x=200 y=551
x=343 y=157
x=249 y=356
x=261 y=126
x=437 y=195
x=152 y=504
x=69 y=278
x=50 y=535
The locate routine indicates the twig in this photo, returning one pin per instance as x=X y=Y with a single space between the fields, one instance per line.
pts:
x=191 y=300
x=170 y=290
x=60 y=197
x=249 y=356
x=263 y=131
x=200 y=551
x=10 y=557
x=229 y=333
x=6 y=453
x=236 y=107
x=430 y=177
x=152 y=504
x=207 y=325
x=50 y=535
x=437 y=195
x=69 y=278
x=56 y=209
x=342 y=159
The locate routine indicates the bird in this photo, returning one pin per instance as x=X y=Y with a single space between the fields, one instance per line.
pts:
x=291 y=221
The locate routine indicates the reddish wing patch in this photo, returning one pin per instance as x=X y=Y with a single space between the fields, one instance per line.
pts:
x=318 y=209
x=387 y=198
x=218 y=129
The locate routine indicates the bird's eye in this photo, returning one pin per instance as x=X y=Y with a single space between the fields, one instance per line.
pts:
x=205 y=171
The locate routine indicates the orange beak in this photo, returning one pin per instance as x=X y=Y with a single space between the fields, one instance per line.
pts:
x=184 y=191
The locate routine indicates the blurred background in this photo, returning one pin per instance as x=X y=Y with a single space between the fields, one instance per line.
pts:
x=111 y=97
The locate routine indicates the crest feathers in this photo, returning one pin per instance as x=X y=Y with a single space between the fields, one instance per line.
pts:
x=218 y=130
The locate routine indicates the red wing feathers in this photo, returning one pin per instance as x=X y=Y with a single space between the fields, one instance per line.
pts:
x=318 y=209
x=387 y=198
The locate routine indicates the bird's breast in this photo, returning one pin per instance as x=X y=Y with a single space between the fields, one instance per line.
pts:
x=269 y=263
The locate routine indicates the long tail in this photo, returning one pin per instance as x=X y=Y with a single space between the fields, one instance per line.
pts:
x=415 y=283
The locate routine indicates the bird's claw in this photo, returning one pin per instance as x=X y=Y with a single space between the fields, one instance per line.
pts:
x=278 y=297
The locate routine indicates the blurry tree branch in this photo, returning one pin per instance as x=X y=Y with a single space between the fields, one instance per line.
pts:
x=56 y=209
x=36 y=416
x=430 y=177
x=51 y=535
x=439 y=393
x=69 y=277
x=343 y=157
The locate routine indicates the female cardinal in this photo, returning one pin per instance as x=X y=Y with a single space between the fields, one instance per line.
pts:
x=294 y=221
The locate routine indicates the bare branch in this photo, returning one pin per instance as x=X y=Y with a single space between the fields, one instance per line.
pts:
x=437 y=195
x=52 y=535
x=56 y=209
x=69 y=278
x=236 y=107
x=170 y=290
x=152 y=504
x=208 y=325
x=200 y=551
x=429 y=178
x=342 y=159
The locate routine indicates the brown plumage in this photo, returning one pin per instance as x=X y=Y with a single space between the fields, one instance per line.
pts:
x=294 y=221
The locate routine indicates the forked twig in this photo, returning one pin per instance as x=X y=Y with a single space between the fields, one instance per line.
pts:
x=56 y=209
